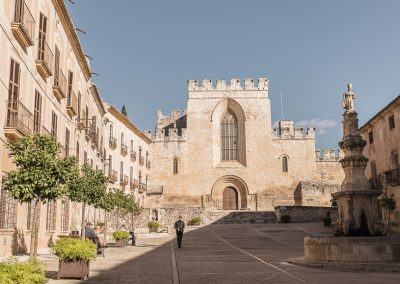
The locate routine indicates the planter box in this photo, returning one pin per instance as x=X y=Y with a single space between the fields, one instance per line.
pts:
x=121 y=243
x=75 y=269
x=153 y=229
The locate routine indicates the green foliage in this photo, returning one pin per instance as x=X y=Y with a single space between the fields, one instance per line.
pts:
x=123 y=110
x=153 y=224
x=40 y=173
x=125 y=202
x=75 y=249
x=388 y=202
x=285 y=218
x=196 y=220
x=89 y=187
x=14 y=272
x=120 y=235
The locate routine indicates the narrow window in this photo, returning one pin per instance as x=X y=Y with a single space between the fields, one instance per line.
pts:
x=67 y=134
x=121 y=171
x=228 y=136
x=374 y=174
x=64 y=215
x=13 y=94
x=131 y=176
x=111 y=131
x=132 y=148
x=175 y=166
x=391 y=122
x=370 y=137
x=70 y=80
x=284 y=164
x=51 y=216
x=87 y=120
x=77 y=152
x=122 y=139
x=110 y=165
x=54 y=124
x=42 y=37
x=79 y=105
x=57 y=67
x=37 y=112
x=85 y=157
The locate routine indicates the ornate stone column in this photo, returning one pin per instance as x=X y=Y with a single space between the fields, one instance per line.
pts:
x=359 y=209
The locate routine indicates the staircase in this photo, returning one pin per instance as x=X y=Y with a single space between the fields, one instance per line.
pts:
x=239 y=217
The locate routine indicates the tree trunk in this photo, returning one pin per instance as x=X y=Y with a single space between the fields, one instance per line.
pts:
x=34 y=231
x=83 y=220
x=105 y=228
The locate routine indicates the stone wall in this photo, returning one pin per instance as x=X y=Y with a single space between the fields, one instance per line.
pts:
x=303 y=214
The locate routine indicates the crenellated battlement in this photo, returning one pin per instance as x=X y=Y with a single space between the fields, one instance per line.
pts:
x=287 y=130
x=327 y=155
x=235 y=84
x=169 y=135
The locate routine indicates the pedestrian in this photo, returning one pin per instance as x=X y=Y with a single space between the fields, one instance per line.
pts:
x=132 y=233
x=179 y=227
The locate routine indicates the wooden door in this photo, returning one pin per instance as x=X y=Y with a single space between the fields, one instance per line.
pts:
x=230 y=199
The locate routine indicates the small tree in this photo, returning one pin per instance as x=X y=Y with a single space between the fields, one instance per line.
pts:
x=89 y=188
x=123 y=110
x=107 y=202
x=40 y=174
x=389 y=203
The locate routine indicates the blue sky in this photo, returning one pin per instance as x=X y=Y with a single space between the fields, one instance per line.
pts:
x=145 y=51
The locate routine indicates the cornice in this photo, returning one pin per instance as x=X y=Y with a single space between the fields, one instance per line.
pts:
x=97 y=99
x=66 y=21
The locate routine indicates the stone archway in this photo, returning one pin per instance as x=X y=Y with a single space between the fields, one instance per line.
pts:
x=235 y=191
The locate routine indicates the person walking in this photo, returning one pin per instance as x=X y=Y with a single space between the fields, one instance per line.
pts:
x=179 y=227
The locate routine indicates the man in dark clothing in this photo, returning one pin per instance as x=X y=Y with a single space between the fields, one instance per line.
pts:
x=179 y=227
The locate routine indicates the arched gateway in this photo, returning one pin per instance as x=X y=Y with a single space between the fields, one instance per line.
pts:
x=230 y=193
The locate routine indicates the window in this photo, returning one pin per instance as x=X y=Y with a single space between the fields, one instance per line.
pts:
x=84 y=157
x=67 y=134
x=77 y=152
x=131 y=175
x=122 y=139
x=110 y=164
x=42 y=37
x=391 y=122
x=111 y=131
x=121 y=171
x=374 y=174
x=53 y=124
x=284 y=164
x=87 y=120
x=79 y=105
x=13 y=94
x=140 y=177
x=64 y=215
x=370 y=137
x=132 y=146
x=8 y=210
x=56 y=66
x=70 y=80
x=147 y=158
x=175 y=166
x=37 y=112
x=229 y=136
x=51 y=216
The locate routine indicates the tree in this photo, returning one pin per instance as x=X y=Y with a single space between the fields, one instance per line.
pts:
x=123 y=110
x=107 y=203
x=40 y=174
x=389 y=203
x=88 y=188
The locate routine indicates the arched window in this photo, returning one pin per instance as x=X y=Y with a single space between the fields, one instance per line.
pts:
x=175 y=166
x=228 y=136
x=284 y=164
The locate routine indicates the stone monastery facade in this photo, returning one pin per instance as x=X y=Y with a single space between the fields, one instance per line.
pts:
x=222 y=153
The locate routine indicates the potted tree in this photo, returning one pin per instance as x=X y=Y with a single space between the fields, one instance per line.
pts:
x=74 y=255
x=153 y=226
x=195 y=221
x=121 y=238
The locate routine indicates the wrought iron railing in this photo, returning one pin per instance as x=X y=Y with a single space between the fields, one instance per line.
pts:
x=133 y=156
x=124 y=149
x=45 y=55
x=72 y=102
x=60 y=81
x=112 y=142
x=24 y=17
x=18 y=117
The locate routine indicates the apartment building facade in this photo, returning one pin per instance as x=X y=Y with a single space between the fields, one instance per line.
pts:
x=382 y=133
x=46 y=88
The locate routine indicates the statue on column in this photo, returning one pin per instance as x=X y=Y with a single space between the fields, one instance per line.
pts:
x=348 y=99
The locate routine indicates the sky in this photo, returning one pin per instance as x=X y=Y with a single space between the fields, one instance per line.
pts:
x=145 y=51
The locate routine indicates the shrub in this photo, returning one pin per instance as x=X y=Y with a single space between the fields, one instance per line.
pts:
x=120 y=235
x=196 y=220
x=100 y=224
x=15 y=272
x=285 y=218
x=153 y=224
x=75 y=249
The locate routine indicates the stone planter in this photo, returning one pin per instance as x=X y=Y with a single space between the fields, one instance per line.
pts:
x=153 y=229
x=121 y=243
x=73 y=269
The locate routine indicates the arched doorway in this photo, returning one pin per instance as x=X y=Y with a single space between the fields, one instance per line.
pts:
x=230 y=199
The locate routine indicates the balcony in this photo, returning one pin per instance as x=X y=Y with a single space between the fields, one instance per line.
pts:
x=23 y=26
x=123 y=181
x=112 y=143
x=60 y=84
x=133 y=156
x=81 y=120
x=112 y=176
x=156 y=190
x=141 y=161
x=142 y=187
x=124 y=149
x=45 y=59
x=134 y=183
x=392 y=177
x=72 y=104
x=148 y=165
x=19 y=121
